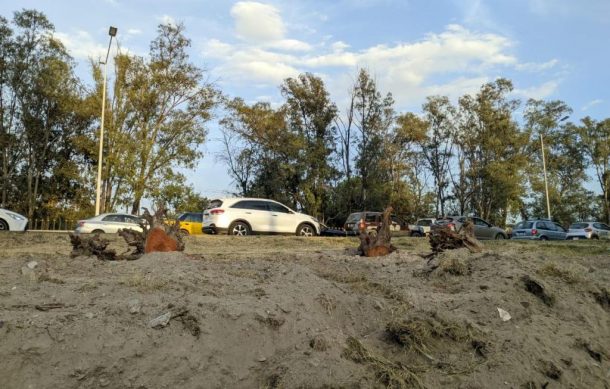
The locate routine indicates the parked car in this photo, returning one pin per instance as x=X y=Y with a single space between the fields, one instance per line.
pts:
x=539 y=229
x=108 y=223
x=482 y=229
x=372 y=220
x=588 y=230
x=425 y=224
x=191 y=223
x=12 y=221
x=245 y=216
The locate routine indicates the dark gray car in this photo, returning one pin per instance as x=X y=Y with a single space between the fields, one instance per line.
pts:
x=482 y=229
x=539 y=230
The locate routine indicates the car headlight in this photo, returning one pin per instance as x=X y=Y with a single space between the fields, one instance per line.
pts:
x=15 y=216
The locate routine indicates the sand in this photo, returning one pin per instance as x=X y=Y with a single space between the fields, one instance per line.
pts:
x=289 y=312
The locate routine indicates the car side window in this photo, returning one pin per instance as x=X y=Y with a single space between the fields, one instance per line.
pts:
x=241 y=204
x=480 y=222
x=275 y=207
x=197 y=217
x=541 y=226
x=259 y=206
x=132 y=220
x=183 y=217
x=114 y=218
x=371 y=218
x=559 y=228
x=605 y=227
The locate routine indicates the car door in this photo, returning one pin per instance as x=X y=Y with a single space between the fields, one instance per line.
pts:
x=186 y=222
x=283 y=220
x=482 y=229
x=603 y=230
x=560 y=232
x=255 y=212
x=133 y=223
x=112 y=223
x=196 y=223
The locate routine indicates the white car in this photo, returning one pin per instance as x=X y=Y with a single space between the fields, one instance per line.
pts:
x=11 y=221
x=588 y=230
x=245 y=216
x=108 y=223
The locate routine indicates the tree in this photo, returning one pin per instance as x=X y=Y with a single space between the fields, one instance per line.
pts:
x=373 y=118
x=309 y=115
x=437 y=146
x=493 y=148
x=594 y=138
x=158 y=116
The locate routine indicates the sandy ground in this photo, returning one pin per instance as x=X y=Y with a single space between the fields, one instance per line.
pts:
x=288 y=312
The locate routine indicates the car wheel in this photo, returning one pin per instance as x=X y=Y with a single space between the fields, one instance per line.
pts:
x=500 y=236
x=416 y=234
x=544 y=238
x=592 y=236
x=3 y=225
x=184 y=232
x=239 y=229
x=97 y=231
x=306 y=230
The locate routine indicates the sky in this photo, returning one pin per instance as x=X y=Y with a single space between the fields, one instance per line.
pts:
x=550 y=49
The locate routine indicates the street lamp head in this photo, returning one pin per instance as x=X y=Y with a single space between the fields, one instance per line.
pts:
x=112 y=31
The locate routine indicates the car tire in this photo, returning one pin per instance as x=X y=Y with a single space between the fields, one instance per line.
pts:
x=3 y=225
x=500 y=236
x=97 y=231
x=239 y=229
x=416 y=234
x=306 y=229
x=594 y=237
x=544 y=238
x=184 y=232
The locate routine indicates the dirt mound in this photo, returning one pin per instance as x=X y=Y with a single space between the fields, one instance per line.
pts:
x=291 y=312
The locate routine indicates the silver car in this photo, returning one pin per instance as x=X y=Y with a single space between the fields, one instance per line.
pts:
x=588 y=230
x=482 y=229
x=108 y=223
x=539 y=230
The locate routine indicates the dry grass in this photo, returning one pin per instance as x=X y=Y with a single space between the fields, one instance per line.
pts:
x=144 y=282
x=328 y=303
x=454 y=266
x=390 y=374
x=552 y=270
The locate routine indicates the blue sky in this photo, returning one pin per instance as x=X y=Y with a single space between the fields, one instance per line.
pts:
x=551 y=49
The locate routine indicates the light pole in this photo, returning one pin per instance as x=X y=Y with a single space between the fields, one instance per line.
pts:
x=546 y=185
x=112 y=32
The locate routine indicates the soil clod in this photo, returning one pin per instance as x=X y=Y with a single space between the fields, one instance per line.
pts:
x=538 y=289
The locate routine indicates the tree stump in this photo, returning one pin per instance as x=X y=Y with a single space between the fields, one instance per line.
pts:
x=377 y=245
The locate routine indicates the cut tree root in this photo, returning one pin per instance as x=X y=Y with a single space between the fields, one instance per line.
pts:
x=442 y=238
x=156 y=236
x=378 y=245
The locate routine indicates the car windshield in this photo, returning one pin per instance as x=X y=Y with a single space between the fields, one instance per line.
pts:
x=579 y=226
x=354 y=217
x=523 y=226
x=424 y=222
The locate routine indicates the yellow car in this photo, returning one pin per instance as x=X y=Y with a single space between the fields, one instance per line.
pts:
x=190 y=223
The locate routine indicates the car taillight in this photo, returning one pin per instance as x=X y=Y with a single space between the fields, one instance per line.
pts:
x=588 y=229
x=534 y=231
x=451 y=226
x=217 y=211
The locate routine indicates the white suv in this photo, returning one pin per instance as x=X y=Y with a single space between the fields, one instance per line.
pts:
x=244 y=216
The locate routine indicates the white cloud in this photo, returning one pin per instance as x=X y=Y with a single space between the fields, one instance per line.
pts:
x=167 y=19
x=591 y=104
x=452 y=62
x=134 y=31
x=536 y=67
x=80 y=44
x=538 y=91
x=257 y=22
x=290 y=45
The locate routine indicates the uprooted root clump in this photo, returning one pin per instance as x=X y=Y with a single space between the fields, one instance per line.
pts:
x=388 y=373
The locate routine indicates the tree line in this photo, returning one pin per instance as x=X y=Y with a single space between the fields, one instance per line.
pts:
x=478 y=155
x=481 y=155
